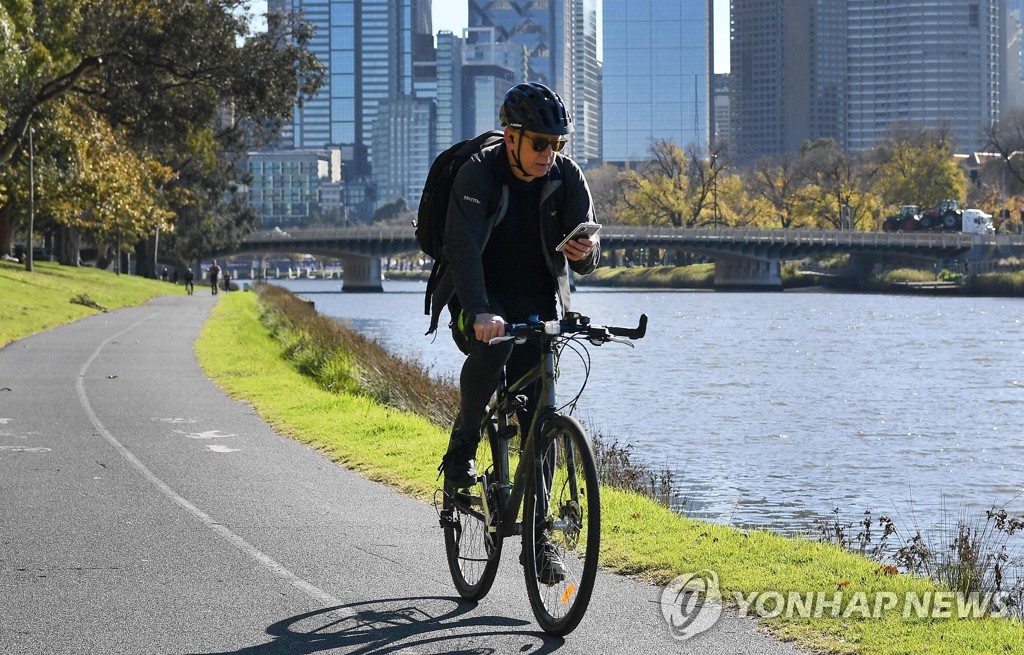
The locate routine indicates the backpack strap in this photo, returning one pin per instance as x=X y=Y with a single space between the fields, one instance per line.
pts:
x=440 y=286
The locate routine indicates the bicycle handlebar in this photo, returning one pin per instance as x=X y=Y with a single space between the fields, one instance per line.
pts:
x=631 y=333
x=573 y=323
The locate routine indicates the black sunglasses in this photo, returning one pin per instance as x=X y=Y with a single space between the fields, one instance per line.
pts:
x=541 y=144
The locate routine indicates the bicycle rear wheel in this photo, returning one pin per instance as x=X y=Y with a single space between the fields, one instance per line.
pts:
x=472 y=549
x=569 y=525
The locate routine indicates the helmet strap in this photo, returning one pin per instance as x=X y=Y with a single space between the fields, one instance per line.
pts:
x=515 y=155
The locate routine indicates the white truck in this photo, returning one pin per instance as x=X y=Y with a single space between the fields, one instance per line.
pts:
x=976 y=221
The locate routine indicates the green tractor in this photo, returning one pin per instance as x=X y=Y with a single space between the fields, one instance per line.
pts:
x=906 y=220
x=947 y=216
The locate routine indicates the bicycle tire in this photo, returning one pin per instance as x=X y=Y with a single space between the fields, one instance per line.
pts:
x=572 y=525
x=472 y=552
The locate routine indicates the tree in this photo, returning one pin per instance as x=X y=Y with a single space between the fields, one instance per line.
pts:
x=1006 y=137
x=391 y=210
x=180 y=82
x=778 y=180
x=915 y=167
x=674 y=187
x=835 y=180
x=608 y=188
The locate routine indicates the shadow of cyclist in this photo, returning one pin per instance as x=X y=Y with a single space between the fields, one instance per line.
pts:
x=394 y=625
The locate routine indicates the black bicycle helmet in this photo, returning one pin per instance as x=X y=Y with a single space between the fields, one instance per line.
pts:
x=534 y=107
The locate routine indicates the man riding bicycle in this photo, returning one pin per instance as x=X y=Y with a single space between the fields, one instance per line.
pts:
x=514 y=272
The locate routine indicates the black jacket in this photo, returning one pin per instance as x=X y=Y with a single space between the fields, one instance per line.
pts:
x=479 y=201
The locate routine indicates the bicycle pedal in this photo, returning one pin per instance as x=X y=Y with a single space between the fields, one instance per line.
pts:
x=447 y=519
x=509 y=432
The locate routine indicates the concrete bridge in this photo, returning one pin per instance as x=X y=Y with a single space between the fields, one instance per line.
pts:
x=744 y=257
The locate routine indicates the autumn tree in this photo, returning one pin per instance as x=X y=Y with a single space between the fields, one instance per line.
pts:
x=914 y=167
x=836 y=180
x=180 y=82
x=778 y=180
x=674 y=187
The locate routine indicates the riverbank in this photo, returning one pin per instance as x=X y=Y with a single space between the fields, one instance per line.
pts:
x=260 y=363
x=702 y=277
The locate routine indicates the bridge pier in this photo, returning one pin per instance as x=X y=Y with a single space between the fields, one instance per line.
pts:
x=361 y=274
x=747 y=273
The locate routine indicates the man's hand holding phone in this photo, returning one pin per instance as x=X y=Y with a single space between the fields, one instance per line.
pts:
x=578 y=244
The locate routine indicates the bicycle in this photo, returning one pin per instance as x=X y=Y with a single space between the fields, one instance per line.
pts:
x=555 y=456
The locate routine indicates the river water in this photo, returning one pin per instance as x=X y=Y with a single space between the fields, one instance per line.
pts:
x=773 y=409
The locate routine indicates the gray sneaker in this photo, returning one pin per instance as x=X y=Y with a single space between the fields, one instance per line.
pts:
x=550 y=569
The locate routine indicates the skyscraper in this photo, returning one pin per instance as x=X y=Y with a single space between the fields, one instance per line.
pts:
x=560 y=37
x=489 y=68
x=788 y=74
x=587 y=83
x=376 y=52
x=931 y=64
x=658 y=59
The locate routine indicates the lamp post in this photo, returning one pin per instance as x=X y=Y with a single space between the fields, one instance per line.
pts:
x=31 y=197
x=714 y=188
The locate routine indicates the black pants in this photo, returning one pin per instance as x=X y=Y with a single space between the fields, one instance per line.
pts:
x=484 y=365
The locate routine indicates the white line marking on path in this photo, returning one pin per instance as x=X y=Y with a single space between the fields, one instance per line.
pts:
x=223 y=449
x=209 y=434
x=238 y=542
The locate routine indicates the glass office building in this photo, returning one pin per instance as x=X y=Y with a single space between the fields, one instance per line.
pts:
x=932 y=63
x=378 y=55
x=658 y=58
x=587 y=83
x=560 y=40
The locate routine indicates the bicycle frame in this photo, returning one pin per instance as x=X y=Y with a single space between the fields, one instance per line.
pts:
x=511 y=497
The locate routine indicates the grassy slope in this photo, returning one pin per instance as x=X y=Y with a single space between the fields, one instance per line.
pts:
x=640 y=537
x=36 y=301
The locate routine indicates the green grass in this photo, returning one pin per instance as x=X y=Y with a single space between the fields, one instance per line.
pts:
x=640 y=537
x=697 y=276
x=36 y=301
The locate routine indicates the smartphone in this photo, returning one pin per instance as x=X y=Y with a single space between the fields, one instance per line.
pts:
x=581 y=230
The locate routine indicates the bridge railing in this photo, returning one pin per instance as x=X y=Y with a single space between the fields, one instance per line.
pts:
x=358 y=232
x=666 y=235
x=794 y=236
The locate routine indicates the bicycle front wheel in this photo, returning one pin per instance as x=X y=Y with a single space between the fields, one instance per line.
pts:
x=473 y=547
x=560 y=545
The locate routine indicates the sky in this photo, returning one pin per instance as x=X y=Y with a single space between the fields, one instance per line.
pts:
x=452 y=15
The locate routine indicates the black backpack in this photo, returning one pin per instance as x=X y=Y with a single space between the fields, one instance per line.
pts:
x=433 y=213
x=433 y=209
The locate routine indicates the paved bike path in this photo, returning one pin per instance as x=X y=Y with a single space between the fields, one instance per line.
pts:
x=142 y=510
